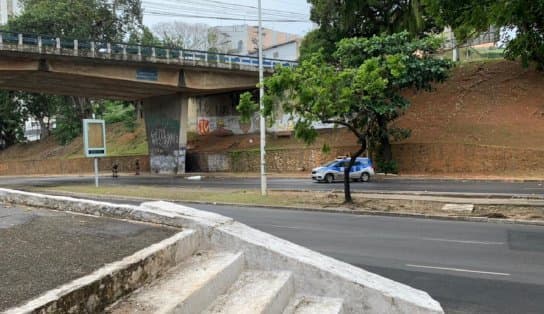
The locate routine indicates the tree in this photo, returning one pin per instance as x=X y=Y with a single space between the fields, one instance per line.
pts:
x=43 y=108
x=522 y=17
x=361 y=89
x=99 y=20
x=189 y=36
x=96 y=20
x=144 y=37
x=11 y=119
x=120 y=111
x=363 y=18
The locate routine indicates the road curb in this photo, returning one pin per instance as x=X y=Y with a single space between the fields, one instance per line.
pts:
x=458 y=195
x=321 y=210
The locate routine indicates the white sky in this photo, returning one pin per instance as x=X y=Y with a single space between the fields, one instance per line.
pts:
x=298 y=6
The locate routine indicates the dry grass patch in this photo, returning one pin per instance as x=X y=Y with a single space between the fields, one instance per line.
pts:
x=300 y=199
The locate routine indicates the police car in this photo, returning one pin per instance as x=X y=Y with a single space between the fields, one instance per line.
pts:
x=332 y=171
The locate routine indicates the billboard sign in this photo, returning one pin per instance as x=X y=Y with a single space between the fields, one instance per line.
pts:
x=94 y=137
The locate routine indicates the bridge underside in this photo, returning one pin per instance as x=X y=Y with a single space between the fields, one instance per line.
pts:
x=164 y=89
x=105 y=79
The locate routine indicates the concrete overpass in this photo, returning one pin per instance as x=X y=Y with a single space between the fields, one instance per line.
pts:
x=163 y=78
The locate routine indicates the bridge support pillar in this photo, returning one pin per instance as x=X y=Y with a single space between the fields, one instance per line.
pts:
x=166 y=128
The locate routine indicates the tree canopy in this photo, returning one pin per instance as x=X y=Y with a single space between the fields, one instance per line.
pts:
x=99 y=20
x=363 y=18
x=360 y=89
x=82 y=19
x=523 y=18
x=11 y=119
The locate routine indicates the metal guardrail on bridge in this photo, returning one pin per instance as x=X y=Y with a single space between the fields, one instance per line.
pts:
x=123 y=51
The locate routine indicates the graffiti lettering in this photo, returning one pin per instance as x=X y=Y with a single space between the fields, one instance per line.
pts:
x=203 y=126
x=163 y=141
x=156 y=121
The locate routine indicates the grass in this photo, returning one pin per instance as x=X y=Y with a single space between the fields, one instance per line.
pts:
x=298 y=199
x=201 y=195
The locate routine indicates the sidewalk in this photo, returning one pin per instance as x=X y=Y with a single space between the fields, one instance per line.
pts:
x=43 y=249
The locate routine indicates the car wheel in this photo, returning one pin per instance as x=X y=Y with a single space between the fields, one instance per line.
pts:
x=365 y=177
x=329 y=178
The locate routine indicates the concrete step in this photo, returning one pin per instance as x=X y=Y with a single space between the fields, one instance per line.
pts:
x=314 y=305
x=189 y=287
x=256 y=292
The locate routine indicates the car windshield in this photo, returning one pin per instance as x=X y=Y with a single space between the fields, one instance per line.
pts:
x=330 y=163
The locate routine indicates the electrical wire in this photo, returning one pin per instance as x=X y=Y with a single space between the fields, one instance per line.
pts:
x=212 y=9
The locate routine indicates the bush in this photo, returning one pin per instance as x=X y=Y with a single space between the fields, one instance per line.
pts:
x=68 y=125
x=116 y=111
x=388 y=166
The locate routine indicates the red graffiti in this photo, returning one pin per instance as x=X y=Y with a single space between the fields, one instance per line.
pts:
x=203 y=126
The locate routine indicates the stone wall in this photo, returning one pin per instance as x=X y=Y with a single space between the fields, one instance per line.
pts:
x=422 y=158
x=71 y=166
x=464 y=158
x=278 y=160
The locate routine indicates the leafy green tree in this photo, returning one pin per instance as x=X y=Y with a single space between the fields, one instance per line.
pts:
x=80 y=19
x=144 y=37
x=69 y=118
x=363 y=18
x=12 y=119
x=97 y=20
x=119 y=111
x=361 y=89
x=43 y=108
x=524 y=18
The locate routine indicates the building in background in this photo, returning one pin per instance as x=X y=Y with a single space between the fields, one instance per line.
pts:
x=33 y=131
x=8 y=8
x=485 y=39
x=286 y=51
x=243 y=39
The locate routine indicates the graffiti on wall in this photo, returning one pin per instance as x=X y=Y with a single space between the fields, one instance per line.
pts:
x=217 y=114
x=207 y=125
x=203 y=126
x=163 y=134
x=163 y=140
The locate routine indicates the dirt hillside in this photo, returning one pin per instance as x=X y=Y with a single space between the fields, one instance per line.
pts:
x=120 y=142
x=494 y=103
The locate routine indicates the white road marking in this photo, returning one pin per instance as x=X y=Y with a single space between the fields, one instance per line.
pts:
x=459 y=270
x=463 y=241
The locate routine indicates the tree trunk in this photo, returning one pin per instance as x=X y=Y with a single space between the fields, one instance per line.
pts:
x=347 y=190
x=385 y=145
x=44 y=129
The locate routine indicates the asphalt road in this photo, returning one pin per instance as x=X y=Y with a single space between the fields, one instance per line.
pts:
x=468 y=267
x=388 y=185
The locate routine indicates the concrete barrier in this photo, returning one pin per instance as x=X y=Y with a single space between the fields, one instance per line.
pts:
x=314 y=273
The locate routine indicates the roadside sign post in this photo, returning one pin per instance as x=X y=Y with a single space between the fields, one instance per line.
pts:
x=94 y=140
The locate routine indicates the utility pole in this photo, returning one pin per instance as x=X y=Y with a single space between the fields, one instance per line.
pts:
x=261 y=106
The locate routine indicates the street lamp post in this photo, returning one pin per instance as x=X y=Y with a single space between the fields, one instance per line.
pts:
x=261 y=106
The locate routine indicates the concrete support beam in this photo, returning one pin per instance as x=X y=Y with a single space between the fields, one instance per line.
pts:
x=166 y=126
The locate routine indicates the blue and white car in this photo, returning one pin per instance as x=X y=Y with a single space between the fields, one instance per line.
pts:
x=332 y=171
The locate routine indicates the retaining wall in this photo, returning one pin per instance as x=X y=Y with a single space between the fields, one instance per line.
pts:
x=72 y=166
x=413 y=158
